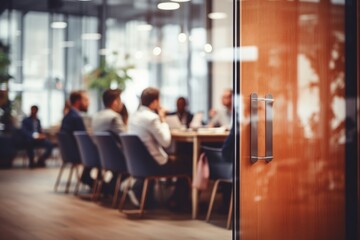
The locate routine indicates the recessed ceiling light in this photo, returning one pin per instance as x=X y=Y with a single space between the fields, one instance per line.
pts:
x=58 y=25
x=168 y=6
x=90 y=36
x=217 y=15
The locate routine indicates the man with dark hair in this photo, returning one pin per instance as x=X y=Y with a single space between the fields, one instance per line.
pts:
x=110 y=119
x=35 y=138
x=73 y=121
x=182 y=112
x=148 y=122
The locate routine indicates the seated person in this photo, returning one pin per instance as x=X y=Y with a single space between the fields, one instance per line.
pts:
x=110 y=120
x=148 y=122
x=182 y=112
x=72 y=121
x=35 y=138
x=222 y=117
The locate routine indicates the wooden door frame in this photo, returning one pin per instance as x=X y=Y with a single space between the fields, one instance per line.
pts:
x=352 y=108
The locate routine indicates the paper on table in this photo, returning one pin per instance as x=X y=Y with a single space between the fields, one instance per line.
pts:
x=174 y=122
x=197 y=120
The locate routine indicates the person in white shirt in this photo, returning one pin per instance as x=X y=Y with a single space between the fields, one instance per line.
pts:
x=222 y=117
x=148 y=122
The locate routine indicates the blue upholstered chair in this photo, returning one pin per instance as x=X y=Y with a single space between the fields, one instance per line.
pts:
x=221 y=172
x=142 y=165
x=111 y=158
x=70 y=156
x=89 y=156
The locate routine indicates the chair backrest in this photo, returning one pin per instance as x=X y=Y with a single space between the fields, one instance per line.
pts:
x=219 y=168
x=111 y=155
x=88 y=151
x=68 y=148
x=139 y=161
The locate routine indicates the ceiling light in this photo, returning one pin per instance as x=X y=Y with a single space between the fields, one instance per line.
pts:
x=58 y=25
x=208 y=48
x=217 y=15
x=182 y=37
x=180 y=0
x=144 y=27
x=90 y=36
x=168 y=6
x=157 y=51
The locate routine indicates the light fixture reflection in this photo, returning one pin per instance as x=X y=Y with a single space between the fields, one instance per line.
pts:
x=90 y=36
x=208 y=48
x=182 y=37
x=157 y=51
x=58 y=25
x=168 y=6
x=217 y=15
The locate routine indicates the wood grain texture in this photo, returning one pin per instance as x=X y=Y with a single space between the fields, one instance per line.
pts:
x=300 y=194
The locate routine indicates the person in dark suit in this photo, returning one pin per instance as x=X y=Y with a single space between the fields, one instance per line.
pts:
x=35 y=138
x=73 y=121
x=182 y=112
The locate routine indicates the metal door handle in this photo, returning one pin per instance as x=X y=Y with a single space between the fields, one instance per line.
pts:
x=254 y=99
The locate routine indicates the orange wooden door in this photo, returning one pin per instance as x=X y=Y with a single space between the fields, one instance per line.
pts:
x=293 y=50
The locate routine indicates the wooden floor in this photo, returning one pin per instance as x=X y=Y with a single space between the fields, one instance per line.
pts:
x=30 y=209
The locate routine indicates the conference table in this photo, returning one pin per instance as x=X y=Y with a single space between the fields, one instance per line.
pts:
x=196 y=138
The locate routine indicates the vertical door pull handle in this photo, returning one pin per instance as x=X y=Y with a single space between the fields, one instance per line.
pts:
x=254 y=119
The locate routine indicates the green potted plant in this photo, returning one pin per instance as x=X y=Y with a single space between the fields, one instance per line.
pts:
x=109 y=74
x=5 y=104
x=4 y=65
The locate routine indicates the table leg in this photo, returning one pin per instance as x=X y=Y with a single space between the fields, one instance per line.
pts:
x=194 y=190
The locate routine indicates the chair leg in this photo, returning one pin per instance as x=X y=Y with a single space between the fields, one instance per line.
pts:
x=99 y=185
x=230 y=211
x=69 y=179
x=123 y=197
x=59 y=176
x=78 y=183
x=213 y=194
x=95 y=189
x=143 y=196
x=116 y=190
x=96 y=184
